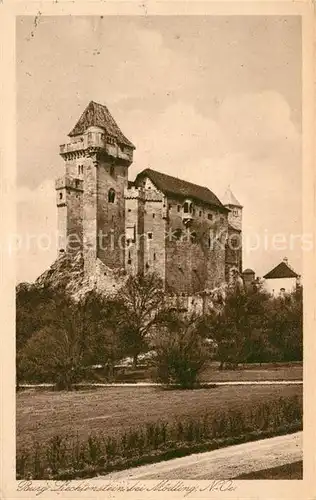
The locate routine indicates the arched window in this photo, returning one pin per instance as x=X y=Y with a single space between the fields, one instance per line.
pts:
x=186 y=207
x=111 y=196
x=234 y=243
x=193 y=236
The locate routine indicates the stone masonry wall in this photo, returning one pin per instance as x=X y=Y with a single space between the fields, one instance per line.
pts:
x=90 y=215
x=111 y=216
x=75 y=228
x=70 y=212
x=154 y=236
x=233 y=258
x=192 y=264
x=134 y=228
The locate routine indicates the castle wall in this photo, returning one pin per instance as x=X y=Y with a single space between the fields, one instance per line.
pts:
x=70 y=212
x=154 y=236
x=235 y=217
x=192 y=263
x=90 y=215
x=75 y=227
x=134 y=229
x=111 y=215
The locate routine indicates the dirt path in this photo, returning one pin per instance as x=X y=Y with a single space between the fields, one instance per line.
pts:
x=153 y=384
x=226 y=463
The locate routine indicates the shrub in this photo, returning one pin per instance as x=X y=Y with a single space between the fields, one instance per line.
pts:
x=181 y=352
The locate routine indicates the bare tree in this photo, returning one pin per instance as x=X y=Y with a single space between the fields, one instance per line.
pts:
x=136 y=309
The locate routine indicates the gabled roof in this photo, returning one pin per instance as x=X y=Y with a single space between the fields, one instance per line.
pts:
x=180 y=188
x=230 y=199
x=98 y=115
x=282 y=270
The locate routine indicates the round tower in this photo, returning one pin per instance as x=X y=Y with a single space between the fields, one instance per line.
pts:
x=233 y=257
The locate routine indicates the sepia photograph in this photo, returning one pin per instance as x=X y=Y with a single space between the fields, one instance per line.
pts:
x=159 y=248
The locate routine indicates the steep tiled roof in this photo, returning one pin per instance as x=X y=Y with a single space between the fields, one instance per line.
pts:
x=180 y=188
x=230 y=198
x=282 y=270
x=98 y=115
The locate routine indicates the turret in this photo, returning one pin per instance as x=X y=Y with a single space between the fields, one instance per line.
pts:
x=235 y=214
x=233 y=258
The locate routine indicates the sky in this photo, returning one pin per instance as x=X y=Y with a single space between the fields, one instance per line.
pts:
x=215 y=100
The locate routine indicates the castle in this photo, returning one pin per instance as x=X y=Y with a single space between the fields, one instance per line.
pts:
x=157 y=223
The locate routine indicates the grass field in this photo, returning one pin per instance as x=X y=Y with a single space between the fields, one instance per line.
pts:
x=291 y=371
x=288 y=471
x=42 y=414
x=247 y=372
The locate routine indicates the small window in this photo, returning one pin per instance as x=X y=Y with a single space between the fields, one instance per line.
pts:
x=186 y=207
x=200 y=213
x=60 y=196
x=179 y=208
x=193 y=237
x=112 y=171
x=129 y=210
x=154 y=256
x=210 y=216
x=111 y=196
x=234 y=243
x=130 y=234
x=150 y=235
x=235 y=212
x=154 y=216
x=169 y=206
x=129 y=261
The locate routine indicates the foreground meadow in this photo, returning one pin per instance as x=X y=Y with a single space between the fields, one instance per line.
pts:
x=42 y=414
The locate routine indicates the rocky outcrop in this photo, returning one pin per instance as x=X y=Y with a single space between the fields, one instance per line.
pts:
x=67 y=274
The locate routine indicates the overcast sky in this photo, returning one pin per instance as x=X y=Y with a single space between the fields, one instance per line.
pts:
x=215 y=100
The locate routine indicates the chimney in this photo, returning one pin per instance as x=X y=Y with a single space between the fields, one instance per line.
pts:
x=286 y=260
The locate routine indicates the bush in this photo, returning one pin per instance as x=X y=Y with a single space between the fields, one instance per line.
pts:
x=181 y=352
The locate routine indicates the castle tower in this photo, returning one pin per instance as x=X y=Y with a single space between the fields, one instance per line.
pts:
x=235 y=214
x=233 y=258
x=90 y=196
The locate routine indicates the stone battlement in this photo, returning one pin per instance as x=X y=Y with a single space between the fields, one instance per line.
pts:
x=69 y=183
x=143 y=194
x=96 y=139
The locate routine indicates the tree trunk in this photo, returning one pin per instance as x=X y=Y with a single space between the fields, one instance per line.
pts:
x=135 y=359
